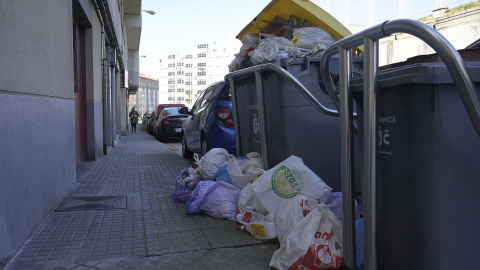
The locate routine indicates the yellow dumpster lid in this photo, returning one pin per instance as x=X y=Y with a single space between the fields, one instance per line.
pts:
x=303 y=9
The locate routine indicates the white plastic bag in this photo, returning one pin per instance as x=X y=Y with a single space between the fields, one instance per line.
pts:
x=277 y=186
x=248 y=202
x=307 y=38
x=315 y=242
x=244 y=169
x=296 y=209
x=268 y=49
x=211 y=161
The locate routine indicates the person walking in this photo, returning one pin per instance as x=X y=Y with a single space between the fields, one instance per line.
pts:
x=133 y=119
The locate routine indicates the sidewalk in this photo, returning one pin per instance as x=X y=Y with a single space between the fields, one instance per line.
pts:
x=142 y=227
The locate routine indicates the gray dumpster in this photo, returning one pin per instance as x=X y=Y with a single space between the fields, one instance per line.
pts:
x=293 y=125
x=427 y=168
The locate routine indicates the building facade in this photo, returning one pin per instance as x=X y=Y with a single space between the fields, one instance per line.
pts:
x=461 y=26
x=184 y=76
x=146 y=98
x=67 y=68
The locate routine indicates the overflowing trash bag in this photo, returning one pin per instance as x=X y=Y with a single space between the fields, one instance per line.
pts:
x=243 y=170
x=217 y=199
x=277 y=186
x=185 y=185
x=221 y=201
x=315 y=242
x=289 y=202
x=211 y=161
x=297 y=37
x=222 y=174
x=193 y=204
x=336 y=206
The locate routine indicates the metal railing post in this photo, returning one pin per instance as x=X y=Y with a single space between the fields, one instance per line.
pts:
x=369 y=156
x=346 y=112
x=263 y=117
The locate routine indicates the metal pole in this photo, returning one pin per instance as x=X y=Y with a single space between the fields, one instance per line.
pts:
x=346 y=108
x=236 y=123
x=369 y=156
x=262 y=116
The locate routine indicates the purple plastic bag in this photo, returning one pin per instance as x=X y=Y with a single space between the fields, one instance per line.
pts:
x=336 y=205
x=193 y=204
x=183 y=193
x=221 y=201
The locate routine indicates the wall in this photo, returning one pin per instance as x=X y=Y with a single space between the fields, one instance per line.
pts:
x=37 y=154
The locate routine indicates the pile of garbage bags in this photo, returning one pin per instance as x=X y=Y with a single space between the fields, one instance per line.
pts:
x=296 y=37
x=289 y=202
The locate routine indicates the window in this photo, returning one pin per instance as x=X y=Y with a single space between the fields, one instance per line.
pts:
x=201 y=82
x=226 y=94
x=189 y=56
x=171 y=56
x=171 y=73
x=188 y=74
x=179 y=64
x=202 y=55
x=201 y=64
x=206 y=97
x=202 y=73
x=171 y=65
x=188 y=65
x=180 y=90
x=179 y=81
x=179 y=72
x=202 y=46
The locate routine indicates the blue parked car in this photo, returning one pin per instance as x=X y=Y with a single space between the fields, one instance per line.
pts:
x=210 y=122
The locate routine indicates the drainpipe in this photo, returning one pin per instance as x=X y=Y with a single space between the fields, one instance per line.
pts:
x=113 y=95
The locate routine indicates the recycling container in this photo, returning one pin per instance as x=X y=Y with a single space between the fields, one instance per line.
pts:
x=294 y=125
x=427 y=167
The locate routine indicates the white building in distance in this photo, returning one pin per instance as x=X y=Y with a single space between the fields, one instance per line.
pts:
x=184 y=76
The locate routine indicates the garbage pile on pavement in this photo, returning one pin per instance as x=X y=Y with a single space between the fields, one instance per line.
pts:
x=293 y=38
x=288 y=202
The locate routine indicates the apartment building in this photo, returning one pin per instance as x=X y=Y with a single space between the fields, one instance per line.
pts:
x=146 y=98
x=184 y=76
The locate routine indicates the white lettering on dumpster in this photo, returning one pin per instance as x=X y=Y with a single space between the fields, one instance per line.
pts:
x=256 y=124
x=387 y=119
x=383 y=136
x=385 y=123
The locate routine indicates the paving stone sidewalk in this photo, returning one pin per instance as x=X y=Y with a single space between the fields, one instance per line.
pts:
x=141 y=228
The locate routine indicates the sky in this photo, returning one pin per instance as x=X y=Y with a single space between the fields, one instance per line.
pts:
x=179 y=25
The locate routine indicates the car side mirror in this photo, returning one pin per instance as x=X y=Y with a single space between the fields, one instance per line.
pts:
x=184 y=110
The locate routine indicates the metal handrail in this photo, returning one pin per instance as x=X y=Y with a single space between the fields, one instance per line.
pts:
x=257 y=70
x=369 y=38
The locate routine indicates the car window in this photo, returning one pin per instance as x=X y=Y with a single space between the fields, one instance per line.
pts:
x=196 y=106
x=226 y=94
x=208 y=94
x=170 y=111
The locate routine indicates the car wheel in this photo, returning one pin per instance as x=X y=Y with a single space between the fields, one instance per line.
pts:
x=205 y=147
x=185 y=152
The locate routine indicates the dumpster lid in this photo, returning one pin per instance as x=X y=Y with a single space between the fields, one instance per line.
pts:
x=283 y=9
